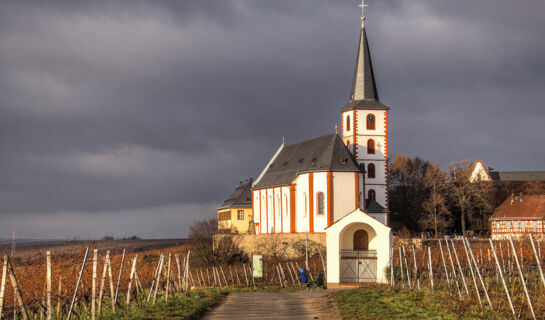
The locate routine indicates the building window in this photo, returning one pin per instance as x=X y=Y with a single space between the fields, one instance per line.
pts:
x=534 y=225
x=371 y=171
x=523 y=224
x=240 y=214
x=515 y=224
x=508 y=225
x=347 y=123
x=306 y=205
x=286 y=206
x=278 y=205
x=371 y=146
x=498 y=226
x=320 y=202
x=371 y=194
x=370 y=122
x=223 y=216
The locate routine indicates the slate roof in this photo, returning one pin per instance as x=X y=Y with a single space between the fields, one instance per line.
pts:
x=517 y=207
x=517 y=175
x=325 y=153
x=364 y=94
x=374 y=207
x=241 y=197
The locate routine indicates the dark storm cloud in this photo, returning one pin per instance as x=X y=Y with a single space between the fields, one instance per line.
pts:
x=141 y=116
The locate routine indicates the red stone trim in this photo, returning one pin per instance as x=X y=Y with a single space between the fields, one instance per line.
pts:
x=311 y=201
x=329 y=198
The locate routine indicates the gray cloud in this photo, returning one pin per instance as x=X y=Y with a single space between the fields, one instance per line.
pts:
x=118 y=109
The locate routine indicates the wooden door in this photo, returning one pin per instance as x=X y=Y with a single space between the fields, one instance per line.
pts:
x=361 y=240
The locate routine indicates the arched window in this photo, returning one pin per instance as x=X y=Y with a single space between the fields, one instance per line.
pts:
x=320 y=202
x=306 y=204
x=347 y=143
x=348 y=123
x=370 y=170
x=370 y=121
x=278 y=205
x=361 y=240
x=371 y=146
x=371 y=194
x=286 y=206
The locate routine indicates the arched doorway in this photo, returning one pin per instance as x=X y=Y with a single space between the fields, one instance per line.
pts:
x=361 y=240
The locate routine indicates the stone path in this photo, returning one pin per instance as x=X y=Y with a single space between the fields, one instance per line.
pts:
x=276 y=305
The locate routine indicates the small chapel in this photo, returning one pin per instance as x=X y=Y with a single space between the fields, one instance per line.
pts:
x=307 y=186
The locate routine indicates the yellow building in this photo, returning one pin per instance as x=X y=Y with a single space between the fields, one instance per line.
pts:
x=235 y=214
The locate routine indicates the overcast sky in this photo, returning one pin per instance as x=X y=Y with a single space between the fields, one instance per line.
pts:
x=140 y=117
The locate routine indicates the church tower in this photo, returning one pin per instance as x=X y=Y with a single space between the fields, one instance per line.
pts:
x=365 y=131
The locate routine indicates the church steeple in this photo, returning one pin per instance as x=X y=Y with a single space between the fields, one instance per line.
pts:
x=363 y=85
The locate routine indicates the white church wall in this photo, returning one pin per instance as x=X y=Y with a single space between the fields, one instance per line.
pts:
x=302 y=207
x=380 y=172
x=270 y=210
x=343 y=201
x=380 y=143
x=320 y=185
x=256 y=209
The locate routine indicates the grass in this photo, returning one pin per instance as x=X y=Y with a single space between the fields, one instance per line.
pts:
x=382 y=302
x=190 y=305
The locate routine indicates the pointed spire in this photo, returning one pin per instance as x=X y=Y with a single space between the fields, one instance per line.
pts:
x=363 y=85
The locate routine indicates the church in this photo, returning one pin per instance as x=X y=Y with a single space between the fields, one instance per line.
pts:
x=310 y=185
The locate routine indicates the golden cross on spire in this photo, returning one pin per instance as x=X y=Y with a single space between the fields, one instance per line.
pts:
x=362 y=6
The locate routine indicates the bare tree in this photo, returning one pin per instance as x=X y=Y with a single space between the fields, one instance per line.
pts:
x=461 y=189
x=407 y=189
x=436 y=212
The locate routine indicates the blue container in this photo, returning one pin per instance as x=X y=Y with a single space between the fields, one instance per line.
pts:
x=303 y=273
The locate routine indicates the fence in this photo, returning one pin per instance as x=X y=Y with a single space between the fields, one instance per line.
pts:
x=88 y=283
x=502 y=276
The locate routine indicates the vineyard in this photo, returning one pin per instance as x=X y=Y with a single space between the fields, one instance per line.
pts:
x=496 y=279
x=88 y=282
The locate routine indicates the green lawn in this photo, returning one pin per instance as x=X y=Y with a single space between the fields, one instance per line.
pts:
x=186 y=306
x=382 y=302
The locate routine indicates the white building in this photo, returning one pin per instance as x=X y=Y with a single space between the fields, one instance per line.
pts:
x=309 y=185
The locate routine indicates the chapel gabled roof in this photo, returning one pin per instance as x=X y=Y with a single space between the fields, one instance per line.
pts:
x=325 y=153
x=364 y=94
x=241 y=196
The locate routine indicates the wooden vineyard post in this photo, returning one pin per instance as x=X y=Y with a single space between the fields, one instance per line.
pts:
x=522 y=277
x=415 y=269
x=238 y=278
x=3 y=284
x=472 y=273
x=283 y=274
x=409 y=281
x=478 y=271
x=245 y=276
x=444 y=263
x=47 y=287
x=119 y=277
x=168 y=276
x=111 y=280
x=223 y=274
x=94 y=285
x=430 y=267
x=133 y=270
x=279 y=277
x=16 y=291
x=154 y=278
x=459 y=266
x=538 y=261
x=58 y=311
x=453 y=271
x=401 y=266
x=502 y=279
x=158 y=283
x=252 y=276
x=77 y=284
x=177 y=259
x=101 y=290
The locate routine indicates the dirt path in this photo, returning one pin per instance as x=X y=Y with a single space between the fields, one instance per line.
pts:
x=276 y=305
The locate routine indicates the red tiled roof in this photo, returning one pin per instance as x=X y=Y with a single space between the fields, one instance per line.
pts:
x=521 y=207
